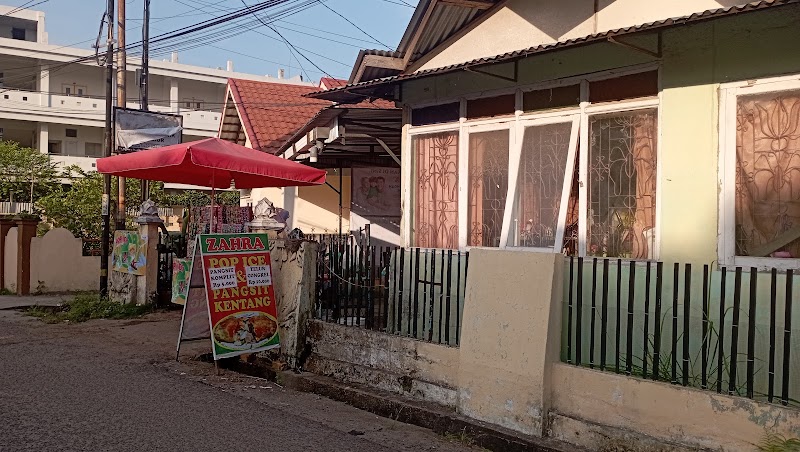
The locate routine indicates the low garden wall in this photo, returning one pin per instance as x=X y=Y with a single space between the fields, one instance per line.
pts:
x=507 y=371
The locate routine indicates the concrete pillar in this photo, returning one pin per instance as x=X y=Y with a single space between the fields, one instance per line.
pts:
x=294 y=266
x=289 y=198
x=504 y=377
x=294 y=281
x=27 y=231
x=42 y=136
x=5 y=225
x=147 y=285
x=41 y=34
x=174 y=100
x=43 y=86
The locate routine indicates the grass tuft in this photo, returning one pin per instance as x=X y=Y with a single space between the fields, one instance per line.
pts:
x=88 y=306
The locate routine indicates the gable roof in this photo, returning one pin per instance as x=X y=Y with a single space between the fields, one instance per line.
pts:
x=384 y=88
x=270 y=112
x=433 y=22
x=269 y=115
x=328 y=83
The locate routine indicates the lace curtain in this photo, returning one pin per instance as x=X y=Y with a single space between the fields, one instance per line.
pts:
x=768 y=175
x=488 y=186
x=436 y=191
x=622 y=185
x=541 y=183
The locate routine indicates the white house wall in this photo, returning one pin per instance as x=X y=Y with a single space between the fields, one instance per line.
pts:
x=521 y=24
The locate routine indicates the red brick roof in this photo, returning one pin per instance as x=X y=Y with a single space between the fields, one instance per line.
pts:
x=328 y=83
x=272 y=112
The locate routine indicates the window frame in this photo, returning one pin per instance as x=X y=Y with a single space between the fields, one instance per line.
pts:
x=726 y=244
x=517 y=123
x=476 y=126
x=515 y=159
x=407 y=172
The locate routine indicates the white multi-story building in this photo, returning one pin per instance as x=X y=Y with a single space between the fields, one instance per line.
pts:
x=60 y=109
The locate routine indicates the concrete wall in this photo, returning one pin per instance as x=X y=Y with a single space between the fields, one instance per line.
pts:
x=77 y=148
x=392 y=363
x=58 y=264
x=293 y=272
x=315 y=210
x=521 y=24
x=598 y=410
x=503 y=373
x=507 y=372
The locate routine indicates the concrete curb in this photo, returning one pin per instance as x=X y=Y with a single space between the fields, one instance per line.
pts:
x=435 y=417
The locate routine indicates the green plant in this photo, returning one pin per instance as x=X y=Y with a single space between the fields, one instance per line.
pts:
x=76 y=207
x=4 y=291
x=773 y=442
x=89 y=306
x=27 y=174
x=461 y=437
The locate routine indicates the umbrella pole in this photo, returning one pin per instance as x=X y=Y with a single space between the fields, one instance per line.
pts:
x=213 y=196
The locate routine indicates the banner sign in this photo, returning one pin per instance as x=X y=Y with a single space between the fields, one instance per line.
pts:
x=181 y=276
x=129 y=254
x=136 y=130
x=240 y=298
x=375 y=192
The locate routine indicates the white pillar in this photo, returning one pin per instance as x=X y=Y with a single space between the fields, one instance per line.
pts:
x=43 y=85
x=289 y=197
x=41 y=34
x=174 y=102
x=43 y=137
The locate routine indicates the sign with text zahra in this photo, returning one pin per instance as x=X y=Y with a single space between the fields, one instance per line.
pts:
x=242 y=313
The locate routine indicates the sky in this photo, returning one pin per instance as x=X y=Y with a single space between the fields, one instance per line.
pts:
x=312 y=27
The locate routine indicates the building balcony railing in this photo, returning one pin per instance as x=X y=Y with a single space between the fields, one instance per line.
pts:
x=93 y=108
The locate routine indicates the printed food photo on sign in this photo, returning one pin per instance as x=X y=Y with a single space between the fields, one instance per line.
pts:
x=241 y=300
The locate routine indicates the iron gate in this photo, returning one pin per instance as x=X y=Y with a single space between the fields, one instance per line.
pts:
x=169 y=247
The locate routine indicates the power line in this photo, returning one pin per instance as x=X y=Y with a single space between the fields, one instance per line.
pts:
x=321 y=2
x=400 y=2
x=169 y=41
x=23 y=6
x=289 y=44
x=327 y=39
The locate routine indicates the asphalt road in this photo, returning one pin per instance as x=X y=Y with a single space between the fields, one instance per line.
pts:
x=114 y=386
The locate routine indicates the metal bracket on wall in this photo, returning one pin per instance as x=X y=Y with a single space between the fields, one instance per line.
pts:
x=501 y=77
x=657 y=54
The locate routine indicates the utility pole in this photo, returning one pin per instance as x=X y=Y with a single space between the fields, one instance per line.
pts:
x=109 y=139
x=121 y=101
x=145 y=76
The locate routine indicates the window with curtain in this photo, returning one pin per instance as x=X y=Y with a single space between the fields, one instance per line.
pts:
x=543 y=161
x=622 y=185
x=488 y=187
x=768 y=175
x=436 y=190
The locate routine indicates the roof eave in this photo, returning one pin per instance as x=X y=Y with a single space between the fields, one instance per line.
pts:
x=379 y=88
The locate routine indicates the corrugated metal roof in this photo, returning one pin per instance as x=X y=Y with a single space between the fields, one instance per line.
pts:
x=445 y=21
x=349 y=93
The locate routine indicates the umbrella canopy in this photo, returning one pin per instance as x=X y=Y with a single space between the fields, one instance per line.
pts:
x=211 y=163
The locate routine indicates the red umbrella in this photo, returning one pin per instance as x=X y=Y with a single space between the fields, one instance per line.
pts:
x=211 y=163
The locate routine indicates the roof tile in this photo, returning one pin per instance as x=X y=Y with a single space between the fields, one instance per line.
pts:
x=272 y=112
